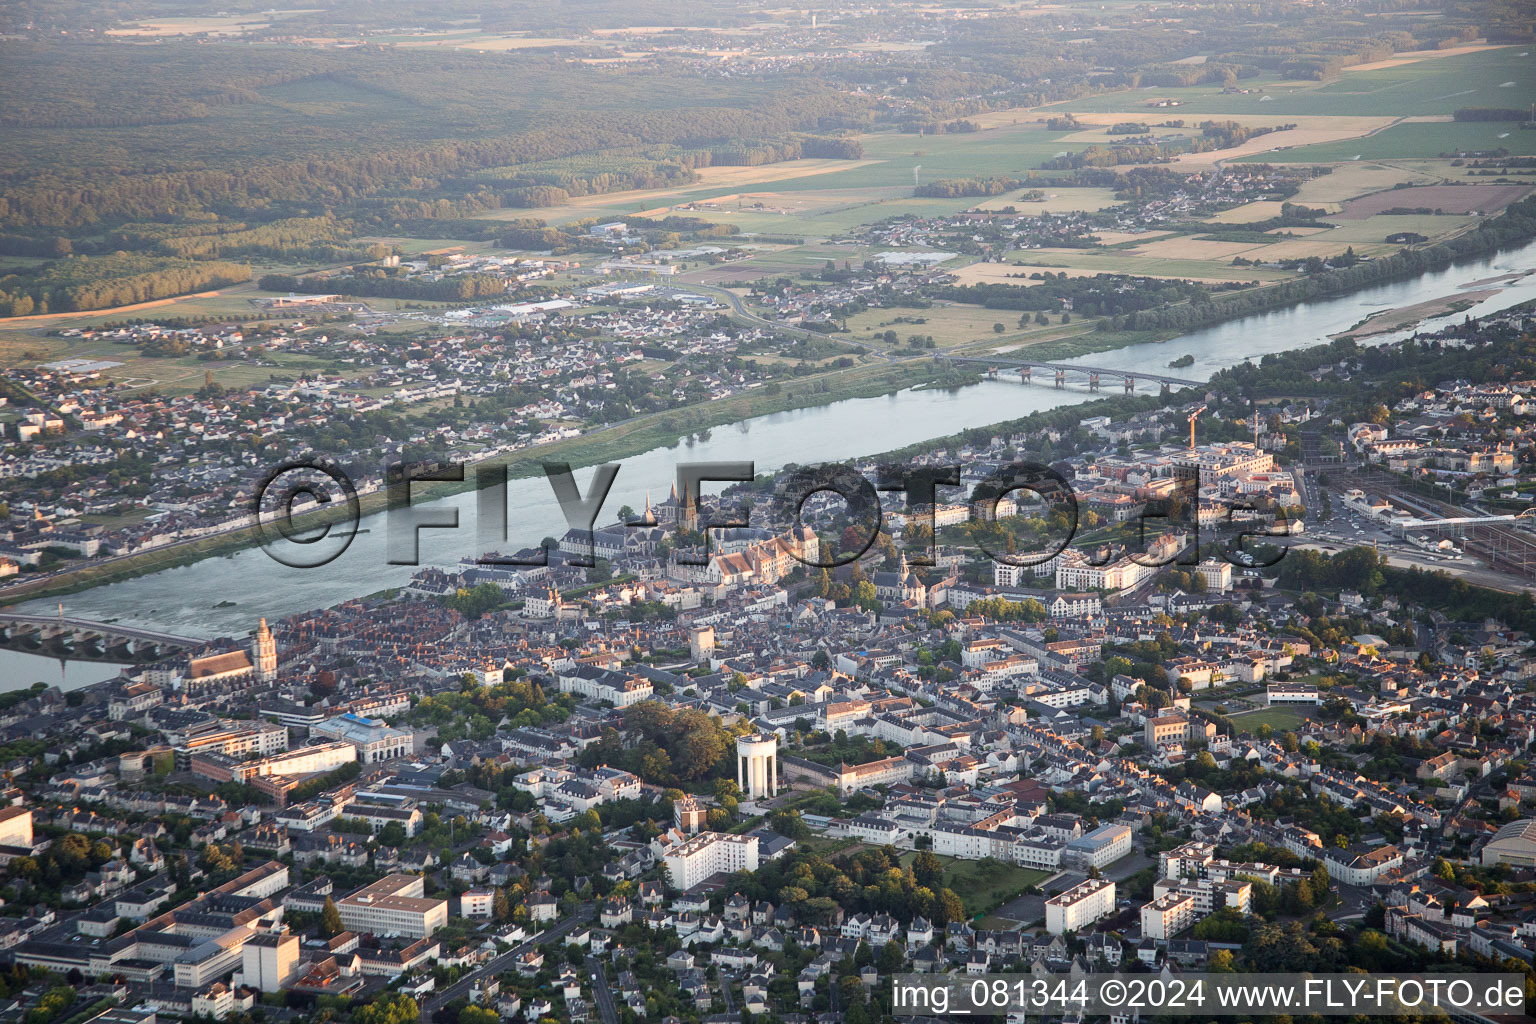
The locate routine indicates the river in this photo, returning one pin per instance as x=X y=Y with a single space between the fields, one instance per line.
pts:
x=183 y=600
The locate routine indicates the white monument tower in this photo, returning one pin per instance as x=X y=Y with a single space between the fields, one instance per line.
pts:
x=757 y=765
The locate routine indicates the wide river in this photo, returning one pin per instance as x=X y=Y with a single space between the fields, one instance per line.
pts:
x=187 y=600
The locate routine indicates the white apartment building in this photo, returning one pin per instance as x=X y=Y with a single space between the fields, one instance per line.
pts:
x=1217 y=574
x=269 y=960
x=1075 y=574
x=616 y=688
x=1168 y=915
x=710 y=853
x=1209 y=894
x=16 y=827
x=1080 y=906
x=1099 y=848
x=255 y=739
x=477 y=903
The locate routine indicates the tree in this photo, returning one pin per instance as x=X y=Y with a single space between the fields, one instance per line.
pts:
x=948 y=908
x=399 y=1010
x=501 y=907
x=330 y=920
x=928 y=870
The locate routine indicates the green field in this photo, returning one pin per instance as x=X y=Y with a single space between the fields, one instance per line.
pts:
x=1279 y=719
x=983 y=886
x=1415 y=139
x=823 y=214
x=1436 y=85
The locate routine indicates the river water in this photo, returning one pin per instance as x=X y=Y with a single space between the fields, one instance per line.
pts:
x=183 y=600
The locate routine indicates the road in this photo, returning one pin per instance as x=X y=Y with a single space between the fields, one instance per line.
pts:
x=724 y=978
x=600 y=991
x=500 y=963
x=743 y=315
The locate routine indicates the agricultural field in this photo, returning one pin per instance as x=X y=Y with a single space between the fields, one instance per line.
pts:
x=211 y=25
x=1416 y=139
x=1437 y=83
x=1447 y=198
x=1064 y=200
x=957 y=325
x=1193 y=267
x=170 y=376
x=812 y=214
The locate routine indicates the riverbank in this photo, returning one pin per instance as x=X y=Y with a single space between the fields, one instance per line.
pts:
x=1389 y=320
x=1242 y=337
x=665 y=429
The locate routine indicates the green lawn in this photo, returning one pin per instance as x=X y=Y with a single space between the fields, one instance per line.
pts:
x=1279 y=719
x=983 y=886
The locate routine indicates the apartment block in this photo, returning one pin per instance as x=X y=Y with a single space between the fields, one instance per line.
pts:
x=1080 y=906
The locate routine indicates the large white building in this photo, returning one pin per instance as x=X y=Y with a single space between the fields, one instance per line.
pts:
x=394 y=905
x=1360 y=865
x=1074 y=573
x=269 y=960
x=1210 y=464
x=1293 y=693
x=1167 y=915
x=710 y=853
x=374 y=739
x=16 y=827
x=318 y=757
x=617 y=688
x=237 y=739
x=1217 y=575
x=1080 y=906
x=1099 y=848
x=1514 y=843
x=1209 y=894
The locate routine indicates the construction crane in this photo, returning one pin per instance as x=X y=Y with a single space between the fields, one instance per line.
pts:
x=1192 y=417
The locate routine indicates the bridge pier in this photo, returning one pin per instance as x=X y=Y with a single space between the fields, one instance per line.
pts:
x=1061 y=378
x=1130 y=384
x=1093 y=382
x=1024 y=375
x=72 y=639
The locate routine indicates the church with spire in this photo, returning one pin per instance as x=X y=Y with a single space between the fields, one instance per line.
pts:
x=900 y=586
x=265 y=646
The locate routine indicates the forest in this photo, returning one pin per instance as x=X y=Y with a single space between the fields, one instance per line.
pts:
x=952 y=188
x=95 y=282
x=1100 y=295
